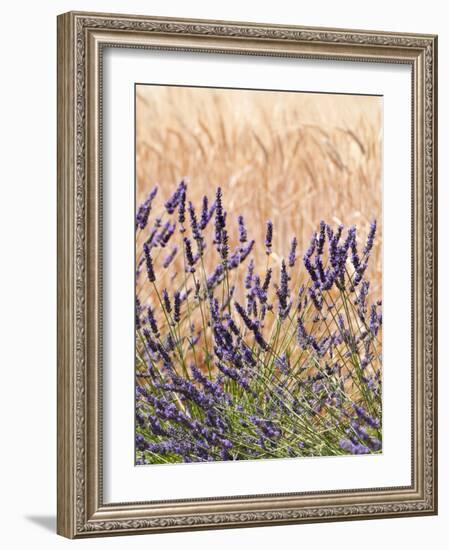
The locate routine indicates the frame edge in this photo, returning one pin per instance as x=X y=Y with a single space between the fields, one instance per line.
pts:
x=65 y=524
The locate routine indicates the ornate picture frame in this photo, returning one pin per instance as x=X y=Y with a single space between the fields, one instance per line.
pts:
x=82 y=40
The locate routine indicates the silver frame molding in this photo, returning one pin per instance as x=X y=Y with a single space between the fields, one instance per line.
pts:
x=81 y=39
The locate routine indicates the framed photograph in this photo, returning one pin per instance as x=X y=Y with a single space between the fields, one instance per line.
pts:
x=247 y=271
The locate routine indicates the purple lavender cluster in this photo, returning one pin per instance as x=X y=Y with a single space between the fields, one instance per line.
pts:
x=236 y=363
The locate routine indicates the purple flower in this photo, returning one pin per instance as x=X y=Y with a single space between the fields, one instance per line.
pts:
x=266 y=282
x=195 y=229
x=243 y=236
x=145 y=209
x=306 y=340
x=166 y=233
x=224 y=248
x=189 y=255
x=240 y=255
x=283 y=292
x=169 y=258
x=152 y=239
x=361 y=300
x=220 y=218
x=233 y=374
x=370 y=238
x=166 y=298
x=152 y=322
x=362 y=434
x=249 y=275
x=300 y=299
x=248 y=322
x=247 y=355
x=267 y=428
x=184 y=295
x=177 y=307
x=316 y=298
x=252 y=325
x=361 y=413
x=169 y=343
x=269 y=237
x=353 y=448
x=282 y=363
x=206 y=214
x=352 y=239
x=321 y=238
x=149 y=263
x=189 y=390
x=375 y=321
x=307 y=257
x=257 y=291
x=292 y=255
x=152 y=345
x=216 y=277
x=173 y=201
x=319 y=269
x=156 y=426
x=335 y=250
x=138 y=313
x=182 y=208
x=232 y=326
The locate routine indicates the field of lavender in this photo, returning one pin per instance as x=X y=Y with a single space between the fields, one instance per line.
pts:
x=280 y=372
x=258 y=278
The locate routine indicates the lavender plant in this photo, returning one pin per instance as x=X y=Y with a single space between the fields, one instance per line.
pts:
x=234 y=363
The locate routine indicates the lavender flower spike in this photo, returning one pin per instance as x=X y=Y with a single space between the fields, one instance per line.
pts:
x=177 y=307
x=173 y=201
x=283 y=292
x=370 y=239
x=361 y=413
x=249 y=275
x=224 y=249
x=248 y=322
x=292 y=255
x=152 y=322
x=308 y=263
x=321 y=238
x=189 y=255
x=145 y=209
x=266 y=282
x=220 y=219
x=243 y=235
x=354 y=448
x=269 y=237
x=252 y=325
x=166 y=234
x=167 y=303
x=206 y=212
x=182 y=208
x=169 y=258
x=149 y=263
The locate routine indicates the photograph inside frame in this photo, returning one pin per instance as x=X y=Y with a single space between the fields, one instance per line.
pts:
x=258 y=257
